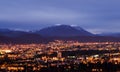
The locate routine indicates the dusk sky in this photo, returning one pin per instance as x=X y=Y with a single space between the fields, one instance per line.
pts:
x=96 y=16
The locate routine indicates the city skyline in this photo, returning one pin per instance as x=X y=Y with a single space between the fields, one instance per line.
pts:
x=94 y=16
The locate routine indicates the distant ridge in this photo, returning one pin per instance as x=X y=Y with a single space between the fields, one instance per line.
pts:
x=63 y=31
x=48 y=34
x=11 y=36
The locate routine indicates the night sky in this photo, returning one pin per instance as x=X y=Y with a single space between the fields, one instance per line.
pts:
x=96 y=16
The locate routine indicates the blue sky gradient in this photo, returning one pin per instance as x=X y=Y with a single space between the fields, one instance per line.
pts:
x=96 y=16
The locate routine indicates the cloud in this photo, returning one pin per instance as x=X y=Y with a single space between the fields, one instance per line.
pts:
x=99 y=30
x=96 y=16
x=49 y=14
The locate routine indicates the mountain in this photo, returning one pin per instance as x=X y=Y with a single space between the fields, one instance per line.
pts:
x=4 y=39
x=89 y=38
x=11 y=33
x=82 y=30
x=12 y=36
x=63 y=31
x=32 y=38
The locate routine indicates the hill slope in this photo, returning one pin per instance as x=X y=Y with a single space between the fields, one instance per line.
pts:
x=63 y=31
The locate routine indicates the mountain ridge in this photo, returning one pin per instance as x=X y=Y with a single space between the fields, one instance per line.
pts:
x=64 y=32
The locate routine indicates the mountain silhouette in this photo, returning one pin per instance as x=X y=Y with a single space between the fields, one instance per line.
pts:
x=48 y=34
x=63 y=31
x=12 y=33
x=12 y=36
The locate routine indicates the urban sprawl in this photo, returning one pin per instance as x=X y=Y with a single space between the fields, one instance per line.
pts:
x=60 y=56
